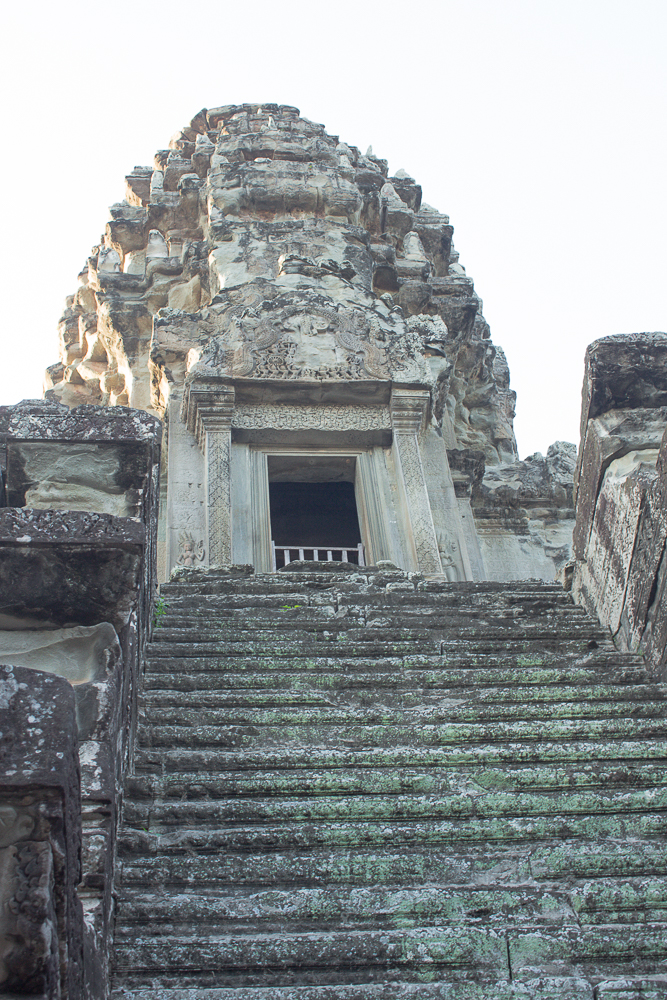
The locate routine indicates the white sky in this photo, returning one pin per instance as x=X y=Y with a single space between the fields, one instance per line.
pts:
x=539 y=126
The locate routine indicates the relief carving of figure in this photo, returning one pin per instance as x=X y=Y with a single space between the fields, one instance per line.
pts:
x=450 y=557
x=190 y=552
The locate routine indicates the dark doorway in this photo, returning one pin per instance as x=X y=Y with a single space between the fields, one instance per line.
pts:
x=322 y=514
x=313 y=507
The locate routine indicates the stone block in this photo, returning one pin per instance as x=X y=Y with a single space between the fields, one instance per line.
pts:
x=70 y=568
x=89 y=458
x=625 y=372
x=620 y=490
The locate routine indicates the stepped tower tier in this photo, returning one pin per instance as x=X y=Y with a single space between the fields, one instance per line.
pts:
x=300 y=321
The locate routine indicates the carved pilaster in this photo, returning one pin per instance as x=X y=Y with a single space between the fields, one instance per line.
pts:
x=208 y=409
x=261 y=512
x=408 y=412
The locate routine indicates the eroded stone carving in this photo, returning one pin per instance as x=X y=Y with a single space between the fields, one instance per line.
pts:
x=311 y=343
x=288 y=204
x=317 y=417
x=190 y=550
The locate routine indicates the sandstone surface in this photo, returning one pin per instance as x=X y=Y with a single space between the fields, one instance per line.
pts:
x=620 y=489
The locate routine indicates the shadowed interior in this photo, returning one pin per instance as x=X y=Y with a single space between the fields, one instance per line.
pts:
x=322 y=514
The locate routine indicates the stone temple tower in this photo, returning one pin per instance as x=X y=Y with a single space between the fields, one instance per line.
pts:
x=301 y=323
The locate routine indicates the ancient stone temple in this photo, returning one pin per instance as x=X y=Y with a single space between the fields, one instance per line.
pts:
x=300 y=322
x=309 y=688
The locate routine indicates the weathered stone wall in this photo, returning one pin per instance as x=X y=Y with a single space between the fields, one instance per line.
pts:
x=77 y=578
x=41 y=919
x=524 y=515
x=620 y=570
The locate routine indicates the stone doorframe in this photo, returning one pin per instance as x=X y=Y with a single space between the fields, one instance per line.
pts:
x=368 y=490
x=395 y=516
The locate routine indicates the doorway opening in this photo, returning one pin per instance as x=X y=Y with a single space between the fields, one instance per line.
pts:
x=313 y=509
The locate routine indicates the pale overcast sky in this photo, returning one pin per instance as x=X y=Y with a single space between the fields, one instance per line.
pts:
x=539 y=126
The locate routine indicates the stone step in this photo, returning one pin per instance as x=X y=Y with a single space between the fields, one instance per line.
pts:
x=385 y=781
x=333 y=956
x=328 y=956
x=390 y=676
x=306 y=908
x=593 y=951
x=595 y=667
x=326 y=867
x=606 y=901
x=469 y=802
x=334 y=733
x=223 y=861
x=343 y=630
x=315 y=619
x=210 y=575
x=620 y=900
x=432 y=702
x=152 y=838
x=300 y=645
x=380 y=616
x=523 y=597
x=350 y=712
x=371 y=629
x=632 y=988
x=458 y=651
x=620 y=752
x=544 y=988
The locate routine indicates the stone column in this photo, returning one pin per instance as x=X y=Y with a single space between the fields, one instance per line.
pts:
x=261 y=511
x=408 y=410
x=373 y=500
x=209 y=409
x=218 y=454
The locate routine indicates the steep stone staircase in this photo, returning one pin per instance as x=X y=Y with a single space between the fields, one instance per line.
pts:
x=356 y=785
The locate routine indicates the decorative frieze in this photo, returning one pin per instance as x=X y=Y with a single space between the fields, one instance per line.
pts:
x=325 y=418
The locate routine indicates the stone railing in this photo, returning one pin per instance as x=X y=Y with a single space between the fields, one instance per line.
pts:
x=283 y=555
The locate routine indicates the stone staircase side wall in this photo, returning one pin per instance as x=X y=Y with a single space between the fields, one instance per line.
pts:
x=78 y=524
x=41 y=918
x=620 y=568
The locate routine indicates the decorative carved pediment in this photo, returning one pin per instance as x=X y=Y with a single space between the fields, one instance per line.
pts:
x=301 y=340
x=300 y=335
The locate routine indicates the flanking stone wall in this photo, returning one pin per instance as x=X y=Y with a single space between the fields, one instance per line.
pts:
x=620 y=569
x=41 y=918
x=77 y=581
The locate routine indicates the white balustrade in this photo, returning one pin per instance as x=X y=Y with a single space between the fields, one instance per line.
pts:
x=334 y=553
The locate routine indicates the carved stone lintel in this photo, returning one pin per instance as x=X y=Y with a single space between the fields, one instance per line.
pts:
x=337 y=417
